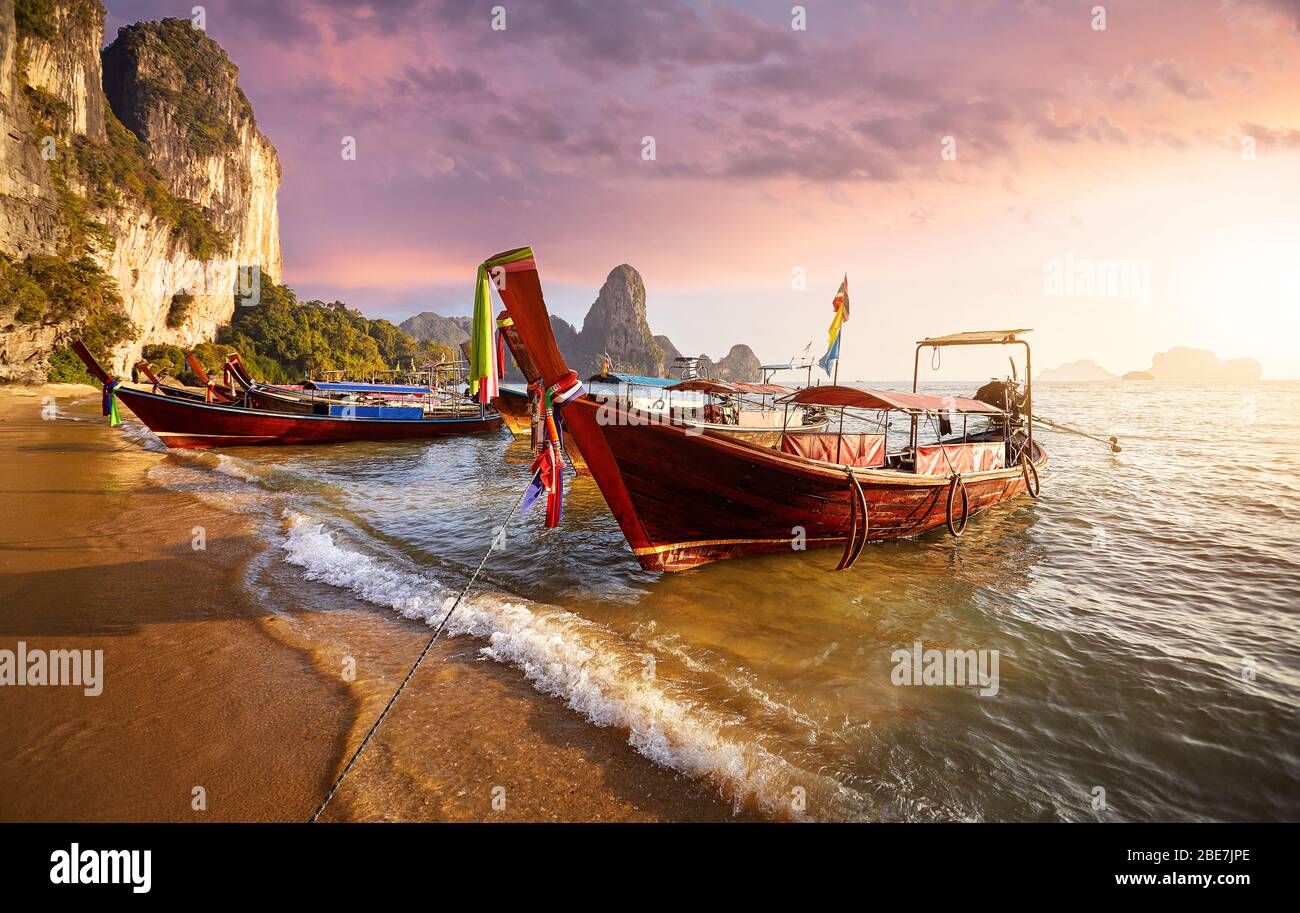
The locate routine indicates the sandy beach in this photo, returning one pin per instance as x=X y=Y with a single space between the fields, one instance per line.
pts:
x=210 y=699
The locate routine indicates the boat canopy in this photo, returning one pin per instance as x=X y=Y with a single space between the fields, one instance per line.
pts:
x=865 y=398
x=636 y=379
x=722 y=387
x=363 y=388
x=975 y=338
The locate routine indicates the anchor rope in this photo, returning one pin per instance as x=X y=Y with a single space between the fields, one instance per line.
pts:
x=497 y=537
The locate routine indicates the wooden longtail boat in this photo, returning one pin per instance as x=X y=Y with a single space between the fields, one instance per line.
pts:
x=684 y=497
x=187 y=421
x=763 y=425
x=322 y=397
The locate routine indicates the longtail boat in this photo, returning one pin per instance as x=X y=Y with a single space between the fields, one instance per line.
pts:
x=685 y=496
x=715 y=405
x=321 y=397
x=183 y=419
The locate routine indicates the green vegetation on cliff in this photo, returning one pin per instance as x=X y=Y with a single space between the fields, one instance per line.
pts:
x=193 y=92
x=36 y=17
x=111 y=171
x=91 y=179
x=52 y=290
x=283 y=340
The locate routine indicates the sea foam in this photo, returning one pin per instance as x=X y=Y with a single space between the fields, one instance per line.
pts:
x=595 y=671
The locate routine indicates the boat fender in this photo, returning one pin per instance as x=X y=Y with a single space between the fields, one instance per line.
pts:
x=1030 y=471
x=955 y=486
x=857 y=531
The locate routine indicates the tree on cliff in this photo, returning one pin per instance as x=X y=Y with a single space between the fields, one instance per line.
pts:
x=284 y=339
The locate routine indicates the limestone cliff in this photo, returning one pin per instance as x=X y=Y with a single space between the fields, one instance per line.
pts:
x=139 y=175
x=616 y=324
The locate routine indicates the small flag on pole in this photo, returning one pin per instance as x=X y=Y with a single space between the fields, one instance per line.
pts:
x=841 y=307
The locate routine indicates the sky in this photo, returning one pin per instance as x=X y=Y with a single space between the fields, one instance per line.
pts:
x=1121 y=182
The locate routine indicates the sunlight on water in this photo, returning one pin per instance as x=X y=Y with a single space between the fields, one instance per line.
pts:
x=1143 y=612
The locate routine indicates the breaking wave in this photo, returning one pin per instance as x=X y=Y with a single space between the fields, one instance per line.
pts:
x=594 y=670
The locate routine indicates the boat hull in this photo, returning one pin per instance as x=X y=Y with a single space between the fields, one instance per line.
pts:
x=515 y=412
x=187 y=424
x=684 y=499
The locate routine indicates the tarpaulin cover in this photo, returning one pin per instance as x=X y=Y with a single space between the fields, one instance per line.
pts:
x=864 y=451
x=965 y=458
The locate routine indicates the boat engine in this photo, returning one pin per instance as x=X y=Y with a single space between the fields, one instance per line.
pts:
x=1006 y=394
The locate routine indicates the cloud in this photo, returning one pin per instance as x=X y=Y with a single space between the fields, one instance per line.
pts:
x=1139 y=82
x=1272 y=137
x=827 y=154
x=439 y=81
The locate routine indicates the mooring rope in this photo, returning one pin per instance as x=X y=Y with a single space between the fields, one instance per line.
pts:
x=496 y=537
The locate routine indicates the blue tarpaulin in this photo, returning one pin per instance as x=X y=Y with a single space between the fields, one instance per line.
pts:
x=409 y=413
x=363 y=388
x=635 y=379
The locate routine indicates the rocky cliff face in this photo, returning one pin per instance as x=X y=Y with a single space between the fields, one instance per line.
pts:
x=740 y=364
x=173 y=216
x=176 y=90
x=616 y=323
x=29 y=209
x=60 y=54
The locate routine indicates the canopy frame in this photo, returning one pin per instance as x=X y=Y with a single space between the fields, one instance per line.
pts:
x=980 y=338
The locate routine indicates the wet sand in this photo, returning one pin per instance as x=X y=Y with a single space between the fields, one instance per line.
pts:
x=205 y=688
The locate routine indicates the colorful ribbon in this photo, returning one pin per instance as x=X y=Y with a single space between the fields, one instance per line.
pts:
x=502 y=322
x=548 y=467
x=110 y=403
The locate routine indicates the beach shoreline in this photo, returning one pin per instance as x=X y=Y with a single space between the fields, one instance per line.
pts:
x=215 y=708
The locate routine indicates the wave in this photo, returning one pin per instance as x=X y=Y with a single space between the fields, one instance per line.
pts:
x=591 y=668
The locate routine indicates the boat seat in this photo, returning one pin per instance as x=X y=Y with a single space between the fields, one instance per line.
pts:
x=862 y=451
x=979 y=456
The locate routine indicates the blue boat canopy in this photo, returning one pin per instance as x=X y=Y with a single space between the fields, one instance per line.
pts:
x=363 y=388
x=635 y=379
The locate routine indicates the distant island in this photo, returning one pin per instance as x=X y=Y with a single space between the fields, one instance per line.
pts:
x=1075 y=372
x=615 y=324
x=1179 y=365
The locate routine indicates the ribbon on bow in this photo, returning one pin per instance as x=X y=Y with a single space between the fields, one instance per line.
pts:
x=502 y=322
x=548 y=466
x=110 y=403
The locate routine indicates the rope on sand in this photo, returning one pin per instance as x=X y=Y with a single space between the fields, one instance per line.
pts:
x=497 y=537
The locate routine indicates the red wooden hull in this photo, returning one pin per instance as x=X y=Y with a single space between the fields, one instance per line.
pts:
x=683 y=500
x=188 y=424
